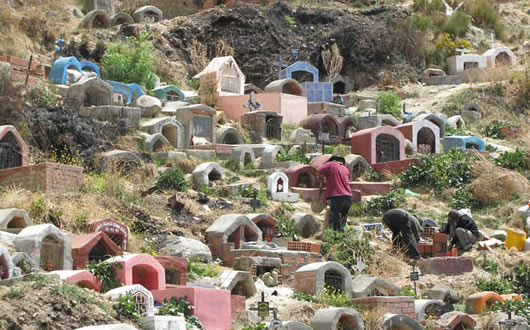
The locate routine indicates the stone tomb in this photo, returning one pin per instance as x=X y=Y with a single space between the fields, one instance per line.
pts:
x=302 y=176
x=278 y=188
x=147 y=14
x=58 y=71
x=228 y=135
x=500 y=57
x=206 y=172
x=369 y=286
x=121 y=18
x=221 y=77
x=377 y=120
x=88 y=92
x=263 y=124
x=242 y=156
x=437 y=119
x=324 y=127
x=82 y=278
x=308 y=76
x=116 y=231
x=305 y=224
x=141 y=269
x=94 y=247
x=267 y=224
x=14 y=220
x=47 y=245
x=199 y=121
x=423 y=134
x=313 y=278
x=144 y=302
x=466 y=143
x=229 y=231
x=170 y=128
x=13 y=149
x=96 y=19
x=337 y=318
x=239 y=283
x=168 y=93
x=383 y=147
x=175 y=269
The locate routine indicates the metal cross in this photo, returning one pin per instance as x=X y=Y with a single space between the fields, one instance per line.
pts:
x=264 y=310
x=415 y=276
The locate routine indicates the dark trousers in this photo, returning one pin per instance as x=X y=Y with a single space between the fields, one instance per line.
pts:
x=338 y=211
x=399 y=223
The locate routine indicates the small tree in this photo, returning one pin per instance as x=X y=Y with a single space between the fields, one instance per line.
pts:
x=333 y=61
x=130 y=61
x=389 y=103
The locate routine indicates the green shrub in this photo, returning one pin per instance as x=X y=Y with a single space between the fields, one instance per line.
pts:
x=407 y=291
x=294 y=156
x=379 y=205
x=521 y=279
x=517 y=307
x=304 y=297
x=428 y=7
x=490 y=266
x=512 y=160
x=457 y=24
x=422 y=23
x=258 y=326
x=289 y=20
x=14 y=293
x=389 y=103
x=172 y=179
x=106 y=273
x=484 y=14
x=463 y=199
x=502 y=286
x=180 y=307
x=42 y=94
x=126 y=307
x=130 y=61
x=451 y=169
x=451 y=131
x=345 y=249
x=330 y=296
x=199 y=269
x=493 y=130
x=286 y=228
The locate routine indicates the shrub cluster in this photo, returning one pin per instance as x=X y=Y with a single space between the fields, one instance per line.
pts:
x=389 y=103
x=172 y=179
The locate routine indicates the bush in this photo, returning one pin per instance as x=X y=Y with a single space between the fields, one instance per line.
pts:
x=422 y=23
x=502 y=286
x=199 y=269
x=126 y=306
x=484 y=14
x=428 y=6
x=448 y=170
x=463 y=199
x=512 y=160
x=172 y=179
x=345 y=249
x=457 y=25
x=517 y=307
x=493 y=130
x=389 y=103
x=330 y=296
x=180 y=307
x=42 y=94
x=106 y=273
x=379 y=205
x=130 y=61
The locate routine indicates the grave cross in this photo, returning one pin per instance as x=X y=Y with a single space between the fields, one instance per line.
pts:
x=414 y=276
x=254 y=202
x=509 y=323
x=264 y=310
x=360 y=265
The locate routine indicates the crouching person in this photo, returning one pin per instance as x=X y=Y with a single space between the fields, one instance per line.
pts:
x=463 y=231
x=405 y=228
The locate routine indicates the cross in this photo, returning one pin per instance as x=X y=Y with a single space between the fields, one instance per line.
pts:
x=254 y=202
x=264 y=310
x=414 y=276
x=462 y=50
x=492 y=40
x=360 y=265
x=509 y=323
x=252 y=104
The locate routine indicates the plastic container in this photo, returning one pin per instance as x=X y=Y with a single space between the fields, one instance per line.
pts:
x=515 y=238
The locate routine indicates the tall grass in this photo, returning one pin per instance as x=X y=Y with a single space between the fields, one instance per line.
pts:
x=485 y=14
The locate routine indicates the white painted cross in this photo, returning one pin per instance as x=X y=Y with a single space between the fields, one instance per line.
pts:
x=360 y=265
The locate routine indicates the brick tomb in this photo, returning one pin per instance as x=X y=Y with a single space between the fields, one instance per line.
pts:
x=199 y=122
x=394 y=305
x=93 y=247
x=262 y=124
x=19 y=69
x=116 y=231
x=175 y=269
x=313 y=278
x=140 y=269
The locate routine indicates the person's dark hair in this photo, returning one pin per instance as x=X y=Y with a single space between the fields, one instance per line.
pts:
x=453 y=215
x=336 y=158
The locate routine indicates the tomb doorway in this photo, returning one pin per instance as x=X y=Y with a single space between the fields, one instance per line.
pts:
x=333 y=280
x=172 y=276
x=4 y=267
x=347 y=322
x=328 y=126
x=169 y=131
x=230 y=80
x=97 y=253
x=386 y=148
x=10 y=152
x=502 y=59
x=339 y=87
x=274 y=127
x=302 y=76
x=145 y=275
x=306 y=180
x=471 y=146
x=470 y=65
x=51 y=253
x=172 y=96
x=426 y=141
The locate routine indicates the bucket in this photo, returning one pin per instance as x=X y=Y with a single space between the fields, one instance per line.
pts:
x=515 y=238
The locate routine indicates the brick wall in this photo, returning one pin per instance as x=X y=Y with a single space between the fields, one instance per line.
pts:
x=303 y=246
x=47 y=177
x=305 y=282
x=395 y=305
x=239 y=308
x=19 y=67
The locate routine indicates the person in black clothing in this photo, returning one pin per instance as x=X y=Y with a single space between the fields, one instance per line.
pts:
x=405 y=227
x=462 y=229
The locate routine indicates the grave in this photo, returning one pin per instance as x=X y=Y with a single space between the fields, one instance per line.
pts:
x=456 y=122
x=383 y=147
x=400 y=322
x=116 y=231
x=342 y=85
x=324 y=125
x=129 y=92
x=6 y=264
x=82 y=278
x=500 y=57
x=211 y=306
x=147 y=14
x=45 y=177
x=228 y=135
x=423 y=134
x=357 y=166
x=347 y=127
x=89 y=67
x=482 y=301
x=144 y=302
x=313 y=278
x=463 y=62
x=239 y=283
x=263 y=124
x=221 y=77
x=168 y=93
x=428 y=309
x=96 y=19
x=14 y=220
x=337 y=318
x=369 y=286
x=302 y=176
x=432 y=72
x=118 y=160
x=242 y=156
x=278 y=188
x=169 y=127
x=305 y=224
x=121 y=18
x=283 y=97
x=395 y=304
x=266 y=223
x=105 y=5
x=88 y=92
x=228 y=232
x=334 y=109
x=140 y=269
x=199 y=121
x=466 y=143
x=175 y=269
x=371 y=121
x=207 y=172
x=459 y=320
x=156 y=142
x=268 y=157
x=13 y=149
x=314 y=90
x=94 y=247
x=17 y=70
x=47 y=246
x=437 y=119
x=59 y=69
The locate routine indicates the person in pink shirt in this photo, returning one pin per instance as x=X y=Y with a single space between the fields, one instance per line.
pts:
x=338 y=191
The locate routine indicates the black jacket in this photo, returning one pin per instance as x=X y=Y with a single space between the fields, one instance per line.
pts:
x=466 y=222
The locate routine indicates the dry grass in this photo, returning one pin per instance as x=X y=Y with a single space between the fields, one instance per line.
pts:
x=372 y=318
x=494 y=184
x=186 y=165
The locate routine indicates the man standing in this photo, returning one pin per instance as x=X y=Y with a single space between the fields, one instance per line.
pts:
x=463 y=231
x=338 y=191
x=405 y=228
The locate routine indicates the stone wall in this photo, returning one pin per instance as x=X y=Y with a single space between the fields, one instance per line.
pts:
x=47 y=177
x=394 y=305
